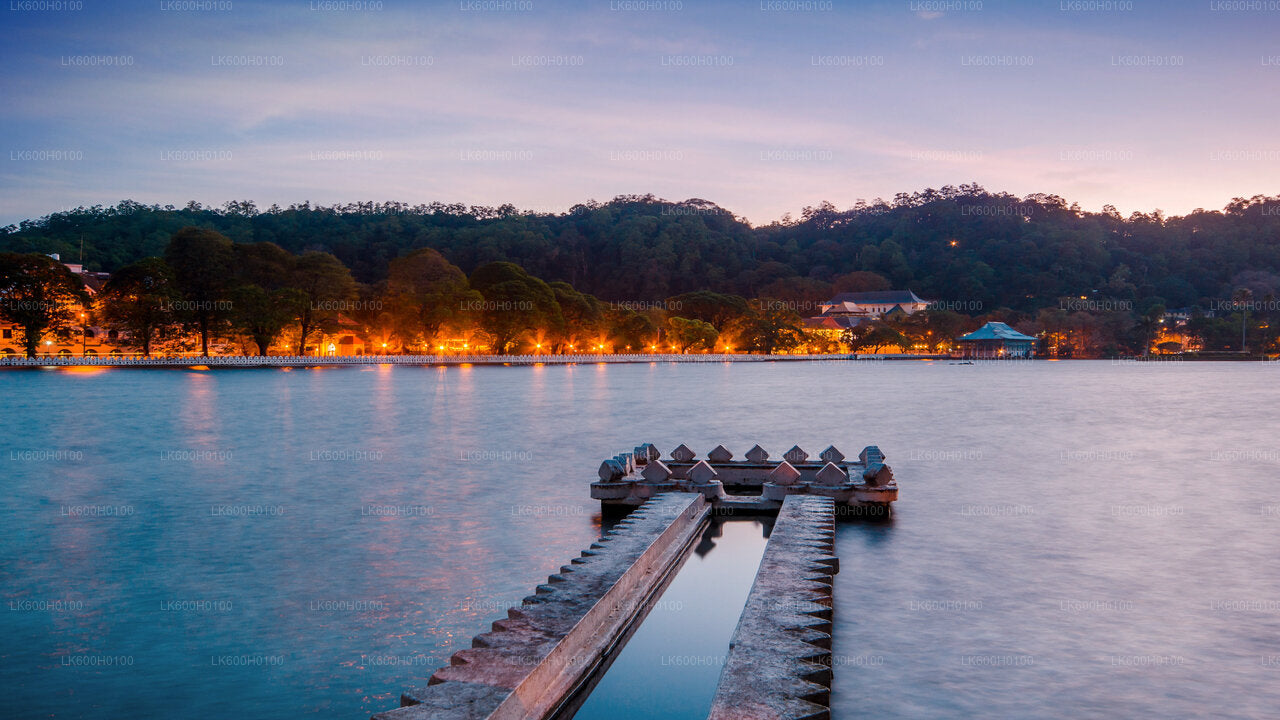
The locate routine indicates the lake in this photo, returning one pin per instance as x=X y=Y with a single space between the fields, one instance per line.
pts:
x=1073 y=539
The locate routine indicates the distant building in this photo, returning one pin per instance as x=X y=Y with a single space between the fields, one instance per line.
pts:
x=873 y=304
x=849 y=310
x=996 y=340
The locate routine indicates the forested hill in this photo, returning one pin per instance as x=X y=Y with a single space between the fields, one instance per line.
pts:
x=961 y=244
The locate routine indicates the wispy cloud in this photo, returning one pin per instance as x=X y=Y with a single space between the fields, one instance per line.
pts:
x=762 y=112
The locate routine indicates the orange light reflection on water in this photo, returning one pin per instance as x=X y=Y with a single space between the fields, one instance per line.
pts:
x=83 y=370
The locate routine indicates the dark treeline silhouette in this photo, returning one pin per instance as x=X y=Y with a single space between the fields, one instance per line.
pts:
x=962 y=244
x=984 y=253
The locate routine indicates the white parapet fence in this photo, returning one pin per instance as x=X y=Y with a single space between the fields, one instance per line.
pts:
x=222 y=361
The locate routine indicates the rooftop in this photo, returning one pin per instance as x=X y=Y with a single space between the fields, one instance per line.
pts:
x=879 y=297
x=996 y=331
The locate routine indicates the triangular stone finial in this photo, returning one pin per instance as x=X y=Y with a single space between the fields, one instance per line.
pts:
x=757 y=454
x=702 y=473
x=795 y=455
x=720 y=454
x=870 y=454
x=877 y=474
x=683 y=454
x=610 y=471
x=656 y=471
x=832 y=455
x=784 y=474
x=627 y=460
x=831 y=475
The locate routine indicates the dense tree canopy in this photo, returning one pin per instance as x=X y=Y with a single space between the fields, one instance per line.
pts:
x=615 y=273
x=957 y=244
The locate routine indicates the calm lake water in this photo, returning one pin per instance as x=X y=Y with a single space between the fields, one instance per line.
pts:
x=1073 y=539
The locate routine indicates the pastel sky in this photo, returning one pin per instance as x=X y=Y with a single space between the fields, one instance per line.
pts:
x=761 y=106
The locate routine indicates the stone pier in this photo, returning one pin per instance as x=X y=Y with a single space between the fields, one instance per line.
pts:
x=538 y=657
x=863 y=486
x=779 y=662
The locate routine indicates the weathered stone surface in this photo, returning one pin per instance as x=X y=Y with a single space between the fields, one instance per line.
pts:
x=832 y=455
x=611 y=471
x=683 y=454
x=720 y=454
x=784 y=474
x=627 y=460
x=757 y=454
x=656 y=471
x=870 y=454
x=829 y=474
x=702 y=472
x=878 y=474
x=779 y=662
x=654 y=454
x=795 y=455
x=532 y=659
x=641 y=454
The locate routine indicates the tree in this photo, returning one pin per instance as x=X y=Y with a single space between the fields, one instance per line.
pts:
x=1240 y=298
x=1212 y=333
x=628 y=328
x=202 y=261
x=860 y=281
x=688 y=334
x=715 y=308
x=880 y=335
x=263 y=314
x=322 y=287
x=426 y=292
x=139 y=299
x=264 y=264
x=262 y=304
x=39 y=294
x=772 y=328
x=582 y=314
x=1148 y=326
x=931 y=327
x=514 y=303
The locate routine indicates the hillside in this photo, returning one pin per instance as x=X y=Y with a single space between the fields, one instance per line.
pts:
x=976 y=249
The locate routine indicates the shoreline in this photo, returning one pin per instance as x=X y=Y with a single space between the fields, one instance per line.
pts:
x=274 y=361
x=291 y=361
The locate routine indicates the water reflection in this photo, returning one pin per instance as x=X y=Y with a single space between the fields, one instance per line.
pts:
x=670 y=667
x=1047 y=512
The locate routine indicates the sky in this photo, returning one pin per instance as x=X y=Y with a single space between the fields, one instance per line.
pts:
x=763 y=107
